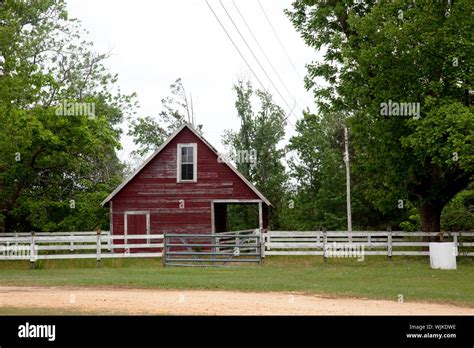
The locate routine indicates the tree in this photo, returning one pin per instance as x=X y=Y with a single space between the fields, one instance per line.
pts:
x=54 y=160
x=150 y=133
x=318 y=168
x=260 y=133
x=405 y=52
x=458 y=215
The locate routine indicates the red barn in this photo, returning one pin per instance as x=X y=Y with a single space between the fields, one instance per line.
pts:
x=182 y=188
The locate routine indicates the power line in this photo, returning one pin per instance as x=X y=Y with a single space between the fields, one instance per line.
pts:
x=235 y=46
x=291 y=110
x=243 y=57
x=253 y=55
x=279 y=41
x=264 y=54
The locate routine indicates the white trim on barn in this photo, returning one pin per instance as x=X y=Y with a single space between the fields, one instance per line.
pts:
x=179 y=160
x=111 y=217
x=122 y=185
x=237 y=200
x=234 y=201
x=213 y=216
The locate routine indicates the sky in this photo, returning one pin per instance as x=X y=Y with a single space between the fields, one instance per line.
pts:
x=153 y=42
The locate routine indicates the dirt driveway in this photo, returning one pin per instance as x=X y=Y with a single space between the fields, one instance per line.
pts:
x=199 y=302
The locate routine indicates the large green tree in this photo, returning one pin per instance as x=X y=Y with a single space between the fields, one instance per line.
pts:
x=317 y=166
x=256 y=144
x=55 y=167
x=318 y=198
x=378 y=52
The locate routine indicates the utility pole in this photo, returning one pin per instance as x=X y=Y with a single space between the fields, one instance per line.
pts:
x=348 y=184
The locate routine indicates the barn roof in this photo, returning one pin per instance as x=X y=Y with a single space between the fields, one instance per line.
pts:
x=184 y=125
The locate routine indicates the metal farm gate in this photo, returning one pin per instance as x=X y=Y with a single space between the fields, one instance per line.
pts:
x=218 y=249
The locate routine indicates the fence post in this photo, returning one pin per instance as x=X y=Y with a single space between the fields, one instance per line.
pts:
x=325 y=240
x=99 y=248
x=455 y=240
x=109 y=240
x=263 y=243
x=32 y=251
x=164 y=253
x=389 y=243
x=72 y=242
x=260 y=242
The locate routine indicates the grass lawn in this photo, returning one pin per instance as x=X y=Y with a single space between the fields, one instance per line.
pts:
x=376 y=277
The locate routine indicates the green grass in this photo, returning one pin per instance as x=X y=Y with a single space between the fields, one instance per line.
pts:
x=376 y=277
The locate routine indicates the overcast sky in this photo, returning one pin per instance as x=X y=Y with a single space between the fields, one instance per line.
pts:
x=153 y=42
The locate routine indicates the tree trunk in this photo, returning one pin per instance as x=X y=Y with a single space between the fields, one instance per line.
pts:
x=7 y=223
x=431 y=219
x=3 y=223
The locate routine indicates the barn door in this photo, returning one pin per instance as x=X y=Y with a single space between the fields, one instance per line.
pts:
x=136 y=223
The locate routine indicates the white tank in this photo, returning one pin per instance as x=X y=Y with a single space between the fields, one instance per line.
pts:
x=443 y=255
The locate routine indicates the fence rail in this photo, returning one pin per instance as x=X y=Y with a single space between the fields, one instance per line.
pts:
x=390 y=243
x=213 y=249
x=224 y=239
x=78 y=245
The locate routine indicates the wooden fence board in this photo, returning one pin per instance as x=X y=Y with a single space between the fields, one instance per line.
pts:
x=384 y=242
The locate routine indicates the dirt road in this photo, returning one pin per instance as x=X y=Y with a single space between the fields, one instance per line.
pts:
x=199 y=302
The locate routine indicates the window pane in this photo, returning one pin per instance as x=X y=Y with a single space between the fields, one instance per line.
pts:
x=187 y=172
x=187 y=154
x=190 y=155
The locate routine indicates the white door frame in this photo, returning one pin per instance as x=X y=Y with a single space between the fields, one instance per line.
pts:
x=136 y=212
x=236 y=201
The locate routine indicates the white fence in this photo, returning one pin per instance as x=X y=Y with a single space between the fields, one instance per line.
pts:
x=77 y=245
x=93 y=245
x=373 y=242
x=8 y=242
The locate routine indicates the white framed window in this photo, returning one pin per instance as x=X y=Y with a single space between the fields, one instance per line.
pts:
x=187 y=162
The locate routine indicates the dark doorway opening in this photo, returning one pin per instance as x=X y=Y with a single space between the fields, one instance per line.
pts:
x=238 y=216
